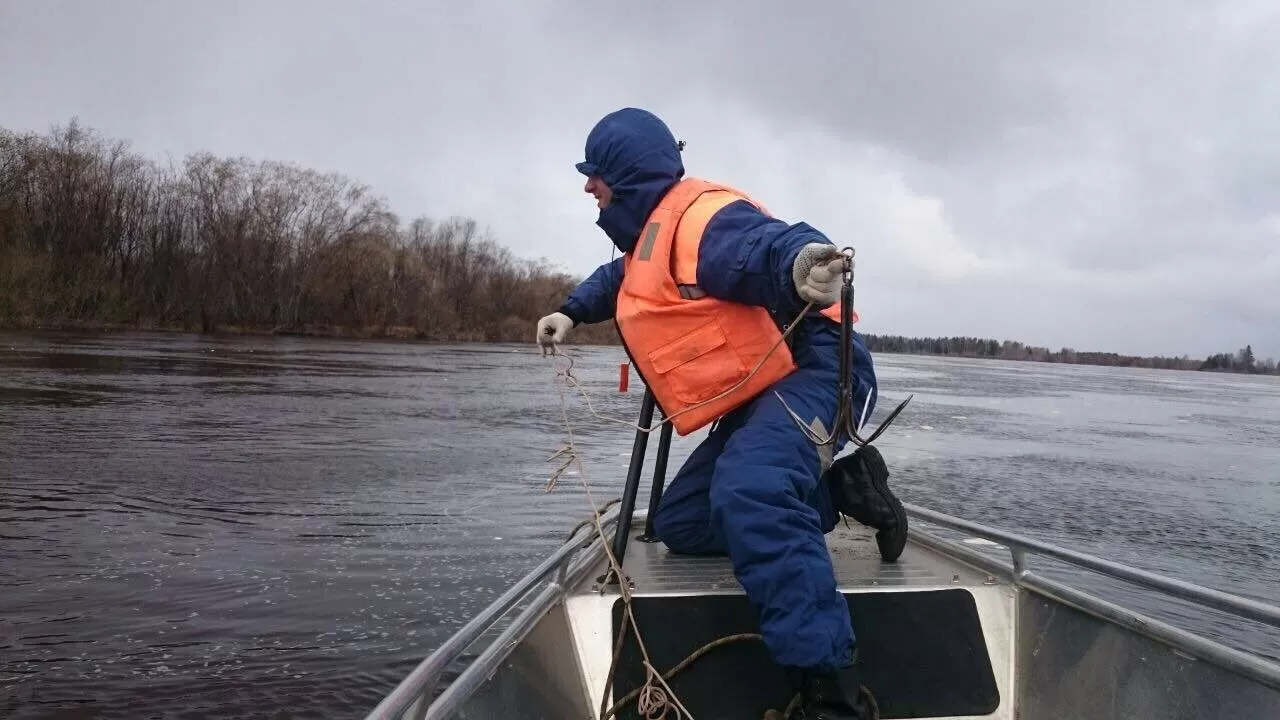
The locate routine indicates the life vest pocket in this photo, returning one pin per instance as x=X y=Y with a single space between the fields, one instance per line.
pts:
x=699 y=365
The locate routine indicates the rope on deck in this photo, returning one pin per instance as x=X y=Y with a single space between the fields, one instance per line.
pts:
x=675 y=670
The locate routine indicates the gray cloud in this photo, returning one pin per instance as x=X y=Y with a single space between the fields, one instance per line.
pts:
x=1088 y=175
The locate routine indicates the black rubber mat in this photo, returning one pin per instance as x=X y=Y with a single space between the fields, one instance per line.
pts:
x=923 y=655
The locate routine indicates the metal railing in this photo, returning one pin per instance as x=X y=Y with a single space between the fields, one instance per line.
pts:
x=1019 y=545
x=1247 y=664
x=413 y=693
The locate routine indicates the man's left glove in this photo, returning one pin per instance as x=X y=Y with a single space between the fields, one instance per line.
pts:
x=817 y=272
x=553 y=329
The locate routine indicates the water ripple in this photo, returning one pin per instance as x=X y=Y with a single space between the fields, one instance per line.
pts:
x=283 y=527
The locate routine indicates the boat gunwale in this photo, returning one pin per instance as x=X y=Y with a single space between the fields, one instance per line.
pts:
x=1247 y=664
x=567 y=561
x=1019 y=545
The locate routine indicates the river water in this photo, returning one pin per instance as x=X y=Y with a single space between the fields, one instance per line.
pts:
x=277 y=527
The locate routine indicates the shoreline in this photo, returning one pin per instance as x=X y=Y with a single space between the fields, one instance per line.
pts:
x=375 y=332
x=406 y=334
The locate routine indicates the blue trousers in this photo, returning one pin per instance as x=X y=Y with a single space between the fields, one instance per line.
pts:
x=750 y=490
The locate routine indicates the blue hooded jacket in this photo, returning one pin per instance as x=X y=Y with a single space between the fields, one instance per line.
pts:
x=752 y=488
x=745 y=256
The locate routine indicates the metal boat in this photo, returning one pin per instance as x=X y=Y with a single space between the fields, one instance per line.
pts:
x=959 y=626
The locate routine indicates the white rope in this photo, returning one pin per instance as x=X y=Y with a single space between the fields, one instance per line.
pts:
x=654 y=703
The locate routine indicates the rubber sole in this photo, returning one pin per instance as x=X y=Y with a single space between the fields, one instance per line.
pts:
x=891 y=541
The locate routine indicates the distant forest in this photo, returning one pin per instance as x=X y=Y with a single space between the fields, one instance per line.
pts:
x=93 y=235
x=1241 y=361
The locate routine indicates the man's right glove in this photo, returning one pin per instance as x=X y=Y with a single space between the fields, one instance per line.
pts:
x=552 y=329
x=817 y=273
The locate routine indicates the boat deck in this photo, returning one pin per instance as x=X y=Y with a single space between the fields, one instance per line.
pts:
x=654 y=570
x=935 y=635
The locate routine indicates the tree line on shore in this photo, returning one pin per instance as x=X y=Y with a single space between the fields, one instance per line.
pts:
x=95 y=235
x=1242 y=361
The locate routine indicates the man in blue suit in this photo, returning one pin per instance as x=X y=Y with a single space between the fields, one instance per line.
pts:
x=755 y=488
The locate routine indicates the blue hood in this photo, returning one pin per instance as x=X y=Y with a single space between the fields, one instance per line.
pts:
x=638 y=158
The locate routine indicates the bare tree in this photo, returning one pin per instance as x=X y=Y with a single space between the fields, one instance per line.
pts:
x=91 y=233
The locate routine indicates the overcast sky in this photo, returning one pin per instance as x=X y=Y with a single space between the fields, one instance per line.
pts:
x=1066 y=174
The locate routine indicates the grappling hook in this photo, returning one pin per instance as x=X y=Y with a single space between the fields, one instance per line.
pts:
x=847 y=420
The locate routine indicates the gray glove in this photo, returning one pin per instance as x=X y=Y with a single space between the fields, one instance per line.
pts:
x=553 y=329
x=817 y=273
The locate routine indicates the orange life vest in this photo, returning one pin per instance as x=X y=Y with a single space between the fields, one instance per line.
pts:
x=687 y=346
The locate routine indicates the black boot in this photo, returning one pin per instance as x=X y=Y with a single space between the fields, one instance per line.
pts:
x=835 y=696
x=859 y=484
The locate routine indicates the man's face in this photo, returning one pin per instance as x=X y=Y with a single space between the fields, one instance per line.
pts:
x=596 y=188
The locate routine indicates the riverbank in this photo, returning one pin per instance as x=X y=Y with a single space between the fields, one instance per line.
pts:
x=604 y=334
x=598 y=335
x=318 y=331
